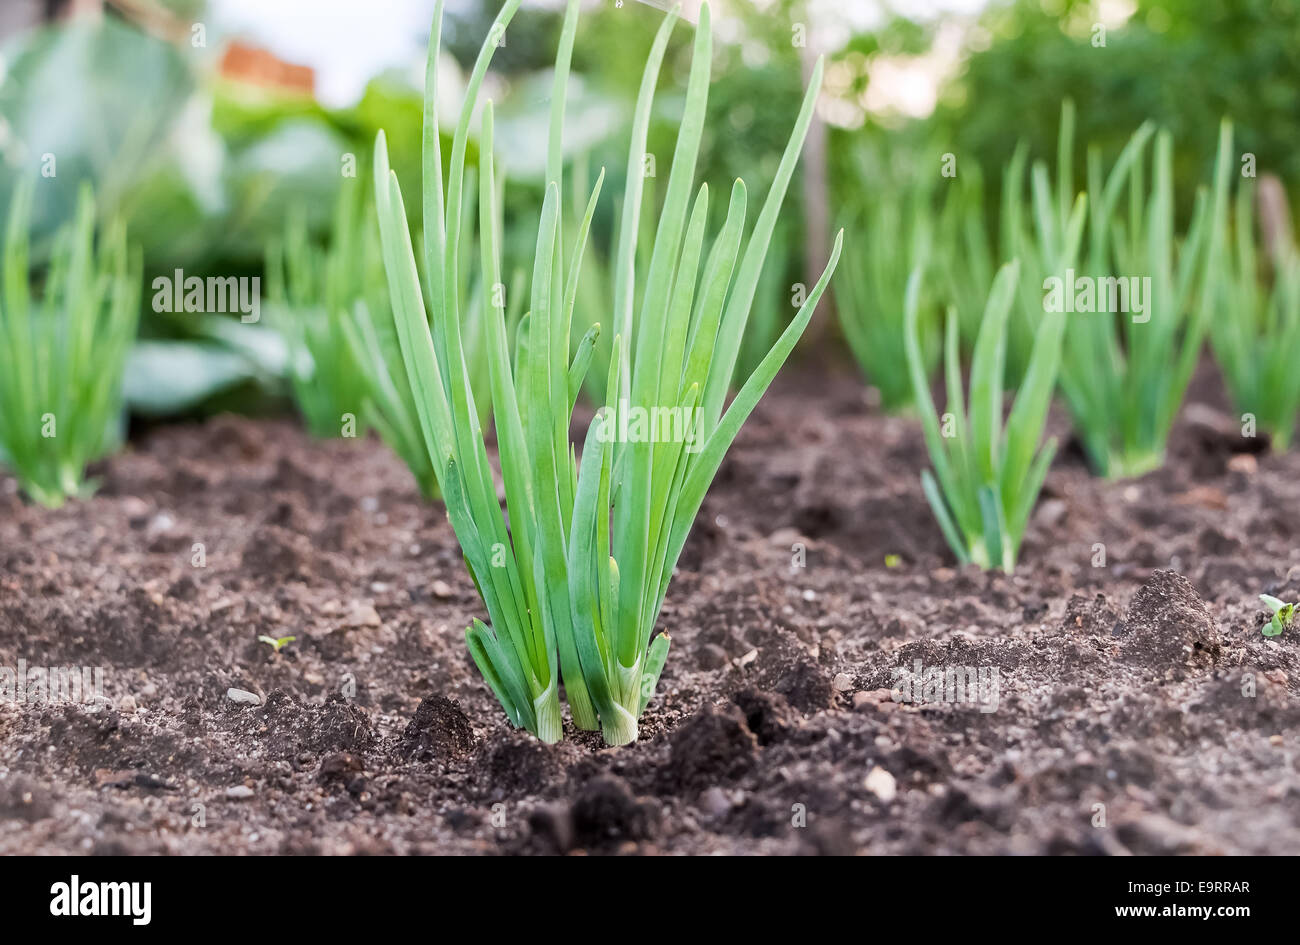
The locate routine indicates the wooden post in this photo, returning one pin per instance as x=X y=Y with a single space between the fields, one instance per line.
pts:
x=816 y=206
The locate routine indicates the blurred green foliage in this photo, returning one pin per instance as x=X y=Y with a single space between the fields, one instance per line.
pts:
x=98 y=102
x=1183 y=64
x=205 y=170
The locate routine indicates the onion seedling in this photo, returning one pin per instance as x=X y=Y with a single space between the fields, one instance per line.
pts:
x=987 y=475
x=62 y=355
x=574 y=578
x=1045 y=241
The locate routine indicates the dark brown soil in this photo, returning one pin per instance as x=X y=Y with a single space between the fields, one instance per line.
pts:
x=1138 y=708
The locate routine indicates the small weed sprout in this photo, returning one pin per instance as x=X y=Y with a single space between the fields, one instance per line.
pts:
x=276 y=643
x=1283 y=615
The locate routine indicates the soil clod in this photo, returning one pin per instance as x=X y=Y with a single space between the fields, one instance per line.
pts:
x=606 y=813
x=1169 y=627
x=715 y=745
x=439 y=732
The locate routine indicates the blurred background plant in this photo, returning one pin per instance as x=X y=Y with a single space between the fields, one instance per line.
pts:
x=1181 y=64
x=310 y=295
x=1257 y=276
x=62 y=351
x=205 y=124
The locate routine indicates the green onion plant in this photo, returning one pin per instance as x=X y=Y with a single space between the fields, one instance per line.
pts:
x=595 y=284
x=574 y=570
x=1038 y=223
x=1047 y=246
x=1128 y=370
x=964 y=257
x=62 y=354
x=388 y=406
x=390 y=403
x=987 y=473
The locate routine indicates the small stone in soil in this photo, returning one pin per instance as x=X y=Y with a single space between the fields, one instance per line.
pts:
x=1244 y=463
x=882 y=784
x=24 y=799
x=1050 y=513
x=362 y=615
x=714 y=801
